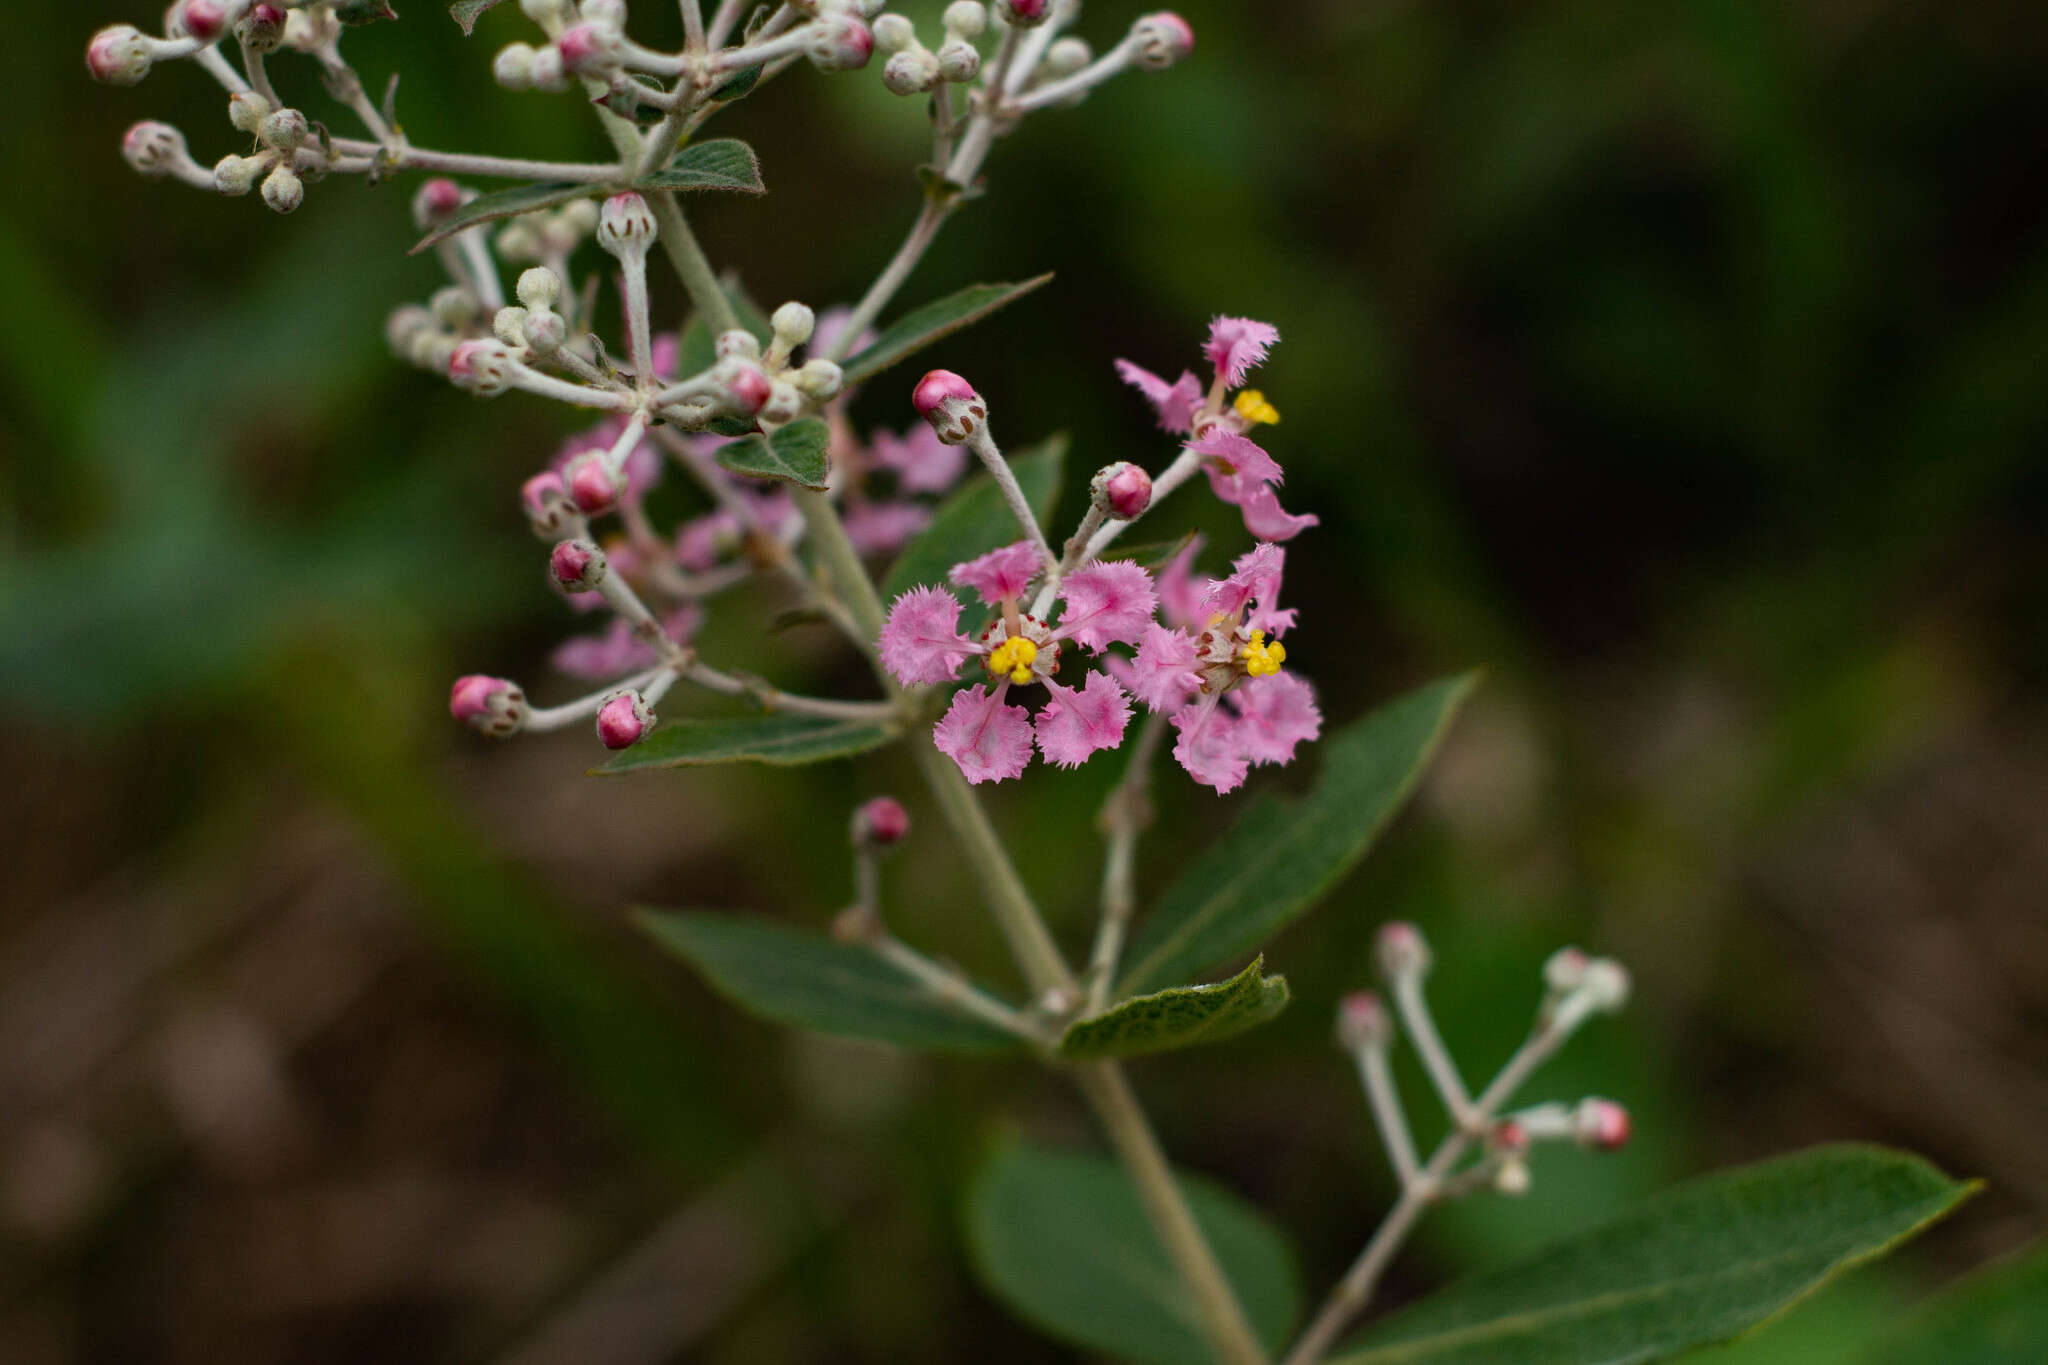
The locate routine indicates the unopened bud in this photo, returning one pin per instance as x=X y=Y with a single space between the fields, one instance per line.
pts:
x=544 y=332
x=959 y=61
x=1512 y=1178
x=965 y=19
x=624 y=720
x=1023 y=13
x=484 y=368
x=406 y=323
x=247 y=110
x=737 y=342
x=545 y=71
x=285 y=129
x=1508 y=1135
x=592 y=485
x=1162 y=39
x=517 y=241
x=153 y=149
x=205 y=20
x=119 y=55
x=1122 y=490
x=509 y=325
x=512 y=68
x=1362 y=1021
x=578 y=565
x=1600 y=1124
x=625 y=226
x=490 y=706
x=1067 y=56
x=262 y=30
x=1401 y=950
x=747 y=388
x=1606 y=985
x=589 y=48
x=839 y=42
x=436 y=202
x=540 y=287
x=283 y=191
x=578 y=218
x=456 y=306
x=1565 y=971
x=784 y=403
x=881 y=823
x=894 y=33
x=913 y=71
x=819 y=380
x=236 y=175
x=956 y=412
x=792 y=325
x=548 y=508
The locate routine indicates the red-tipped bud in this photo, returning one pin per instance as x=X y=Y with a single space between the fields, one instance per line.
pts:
x=482 y=367
x=1401 y=949
x=578 y=565
x=839 y=42
x=119 y=55
x=956 y=412
x=746 y=386
x=1601 y=1124
x=153 y=149
x=592 y=485
x=548 y=507
x=624 y=720
x=263 y=28
x=881 y=823
x=1508 y=1136
x=1162 y=39
x=490 y=706
x=205 y=20
x=1024 y=13
x=1362 y=1021
x=625 y=226
x=1122 y=490
x=589 y=48
x=436 y=202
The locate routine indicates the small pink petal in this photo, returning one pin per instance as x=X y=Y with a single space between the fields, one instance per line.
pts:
x=921 y=462
x=615 y=652
x=880 y=527
x=1273 y=715
x=1106 y=603
x=990 y=741
x=1176 y=403
x=1000 y=575
x=1207 y=746
x=1243 y=460
x=1180 y=597
x=921 y=640
x=1164 y=672
x=1267 y=520
x=1237 y=346
x=1077 y=722
x=1256 y=574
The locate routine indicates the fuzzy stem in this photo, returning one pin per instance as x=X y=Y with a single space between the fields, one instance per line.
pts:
x=1124 y=817
x=929 y=220
x=956 y=990
x=984 y=447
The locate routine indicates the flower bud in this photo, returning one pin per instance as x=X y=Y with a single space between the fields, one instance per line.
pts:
x=546 y=72
x=236 y=175
x=1601 y=1125
x=247 y=110
x=1067 y=56
x=284 y=129
x=1606 y=985
x=283 y=191
x=1401 y=950
x=512 y=68
x=784 y=403
x=913 y=71
x=739 y=342
x=880 y=823
x=625 y=227
x=119 y=54
x=262 y=30
x=490 y=706
x=589 y=48
x=819 y=380
x=894 y=33
x=517 y=241
x=1023 y=13
x=578 y=565
x=624 y=720
x=956 y=412
x=1512 y=1177
x=540 y=287
x=1362 y=1021
x=965 y=19
x=205 y=20
x=1162 y=39
x=508 y=325
x=484 y=368
x=592 y=485
x=1564 y=971
x=548 y=508
x=959 y=61
x=436 y=202
x=578 y=218
x=544 y=332
x=839 y=42
x=611 y=13
x=406 y=323
x=792 y=325
x=455 y=306
x=154 y=148
x=745 y=386
x=1122 y=490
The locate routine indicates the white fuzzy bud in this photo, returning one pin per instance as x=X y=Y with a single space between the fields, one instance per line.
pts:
x=517 y=241
x=1606 y=985
x=959 y=61
x=1564 y=971
x=484 y=368
x=283 y=191
x=1067 y=56
x=546 y=72
x=154 y=149
x=509 y=325
x=965 y=19
x=894 y=33
x=1401 y=949
x=119 y=55
x=784 y=403
x=405 y=325
x=540 y=287
x=819 y=380
x=285 y=129
x=236 y=175
x=247 y=110
x=913 y=71
x=625 y=226
x=839 y=42
x=1512 y=1177
x=544 y=332
x=1161 y=40
x=513 y=66
x=456 y=306
x=738 y=342
x=578 y=218
x=793 y=324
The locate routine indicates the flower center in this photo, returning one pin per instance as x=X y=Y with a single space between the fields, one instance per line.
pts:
x=1014 y=656
x=1253 y=407
x=1262 y=660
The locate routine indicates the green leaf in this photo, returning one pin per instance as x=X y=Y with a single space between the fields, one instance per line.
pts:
x=1062 y=1237
x=1282 y=856
x=1180 y=1017
x=783 y=740
x=1696 y=1264
x=976 y=520
x=920 y=327
x=723 y=163
x=790 y=977
x=1153 y=555
x=741 y=83
x=794 y=454
x=466 y=12
x=1997 y=1316
x=486 y=208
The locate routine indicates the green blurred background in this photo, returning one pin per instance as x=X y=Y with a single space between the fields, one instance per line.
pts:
x=1685 y=365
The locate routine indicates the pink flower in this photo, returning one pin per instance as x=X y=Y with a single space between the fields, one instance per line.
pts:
x=1273 y=715
x=1164 y=672
x=1237 y=346
x=643 y=461
x=1208 y=747
x=1237 y=459
x=1079 y=721
x=1267 y=520
x=1180 y=596
x=1001 y=574
x=990 y=741
x=1106 y=603
x=1176 y=403
x=921 y=462
x=921 y=640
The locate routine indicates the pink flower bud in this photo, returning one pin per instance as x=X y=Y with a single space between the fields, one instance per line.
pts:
x=1024 y=13
x=578 y=565
x=1362 y=1021
x=205 y=20
x=548 y=508
x=491 y=706
x=1508 y=1136
x=881 y=822
x=840 y=42
x=592 y=486
x=154 y=148
x=955 y=411
x=118 y=55
x=588 y=48
x=436 y=201
x=1122 y=490
x=1565 y=970
x=625 y=227
x=1162 y=39
x=263 y=29
x=482 y=367
x=1601 y=1124
x=1401 y=949
x=747 y=386
x=624 y=720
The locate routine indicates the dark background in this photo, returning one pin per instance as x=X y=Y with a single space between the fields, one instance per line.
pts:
x=1681 y=364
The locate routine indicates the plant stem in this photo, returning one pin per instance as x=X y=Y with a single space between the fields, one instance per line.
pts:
x=690 y=263
x=1222 y=1317
x=1124 y=815
x=929 y=220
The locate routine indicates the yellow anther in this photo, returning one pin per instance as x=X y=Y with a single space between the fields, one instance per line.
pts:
x=1253 y=407
x=1013 y=656
x=1262 y=660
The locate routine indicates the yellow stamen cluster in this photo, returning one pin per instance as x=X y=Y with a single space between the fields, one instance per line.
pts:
x=1262 y=660
x=1013 y=656
x=1253 y=407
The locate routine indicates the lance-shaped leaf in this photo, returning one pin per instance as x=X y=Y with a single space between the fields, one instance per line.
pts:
x=975 y=520
x=738 y=85
x=1696 y=1264
x=1062 y=1237
x=466 y=12
x=808 y=981
x=1181 y=1016
x=782 y=740
x=723 y=163
x=488 y=208
x=1997 y=1316
x=794 y=454
x=920 y=327
x=1281 y=856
